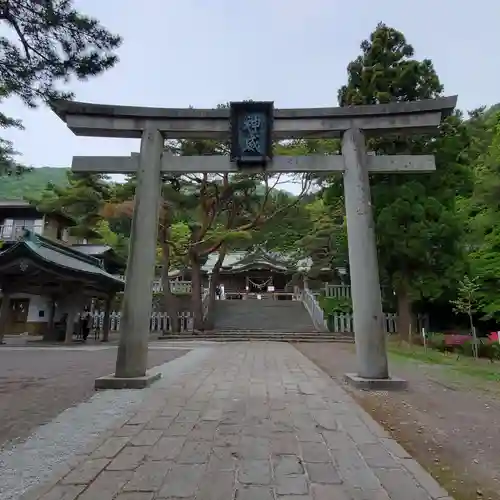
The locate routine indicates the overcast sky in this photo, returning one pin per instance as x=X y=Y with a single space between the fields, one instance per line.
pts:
x=179 y=53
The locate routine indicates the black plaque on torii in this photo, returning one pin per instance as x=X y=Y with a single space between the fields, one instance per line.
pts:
x=251 y=132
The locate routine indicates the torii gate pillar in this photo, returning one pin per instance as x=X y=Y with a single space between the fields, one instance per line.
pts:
x=369 y=328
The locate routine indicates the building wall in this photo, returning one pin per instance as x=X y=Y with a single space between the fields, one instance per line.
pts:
x=52 y=229
x=13 y=220
x=39 y=312
x=39 y=309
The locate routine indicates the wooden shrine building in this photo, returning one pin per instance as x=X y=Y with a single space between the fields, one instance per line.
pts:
x=43 y=281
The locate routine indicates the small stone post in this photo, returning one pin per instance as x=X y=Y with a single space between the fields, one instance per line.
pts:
x=137 y=299
x=369 y=328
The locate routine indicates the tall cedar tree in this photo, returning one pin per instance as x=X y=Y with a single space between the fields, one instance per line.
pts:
x=418 y=231
x=48 y=42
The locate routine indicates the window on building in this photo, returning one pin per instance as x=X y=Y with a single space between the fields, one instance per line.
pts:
x=7 y=228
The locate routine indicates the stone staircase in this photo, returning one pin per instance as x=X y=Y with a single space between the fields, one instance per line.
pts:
x=285 y=316
x=278 y=320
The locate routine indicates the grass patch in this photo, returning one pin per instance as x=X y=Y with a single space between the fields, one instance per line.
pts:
x=480 y=369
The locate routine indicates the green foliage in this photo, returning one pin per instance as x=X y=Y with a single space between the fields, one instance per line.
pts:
x=179 y=234
x=82 y=199
x=466 y=300
x=467 y=349
x=33 y=183
x=437 y=341
x=326 y=240
x=233 y=210
x=283 y=233
x=386 y=71
x=50 y=42
x=118 y=242
x=480 y=213
x=333 y=305
x=9 y=166
x=489 y=350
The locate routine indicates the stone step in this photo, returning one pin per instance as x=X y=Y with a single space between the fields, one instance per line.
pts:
x=280 y=316
x=260 y=336
x=274 y=339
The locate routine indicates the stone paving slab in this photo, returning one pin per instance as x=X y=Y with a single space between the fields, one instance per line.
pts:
x=255 y=421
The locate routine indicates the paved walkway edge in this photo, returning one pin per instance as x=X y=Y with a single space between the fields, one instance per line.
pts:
x=51 y=451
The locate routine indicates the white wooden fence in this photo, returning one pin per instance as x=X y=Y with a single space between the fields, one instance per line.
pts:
x=160 y=321
x=338 y=291
x=175 y=285
x=344 y=323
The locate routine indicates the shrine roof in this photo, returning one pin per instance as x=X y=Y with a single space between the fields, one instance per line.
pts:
x=92 y=249
x=244 y=260
x=58 y=257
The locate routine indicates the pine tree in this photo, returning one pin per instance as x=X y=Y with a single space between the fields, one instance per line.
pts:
x=83 y=200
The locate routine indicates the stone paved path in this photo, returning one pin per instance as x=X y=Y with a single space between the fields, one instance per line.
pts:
x=255 y=421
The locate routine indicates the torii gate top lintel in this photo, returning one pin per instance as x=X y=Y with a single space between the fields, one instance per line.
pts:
x=100 y=120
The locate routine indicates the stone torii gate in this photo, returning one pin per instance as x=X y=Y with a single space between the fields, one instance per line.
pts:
x=352 y=124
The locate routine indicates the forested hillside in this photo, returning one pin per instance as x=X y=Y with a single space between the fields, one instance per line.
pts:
x=32 y=183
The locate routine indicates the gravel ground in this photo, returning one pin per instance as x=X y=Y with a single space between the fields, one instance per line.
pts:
x=450 y=424
x=38 y=384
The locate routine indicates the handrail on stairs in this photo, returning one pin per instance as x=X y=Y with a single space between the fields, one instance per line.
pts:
x=313 y=308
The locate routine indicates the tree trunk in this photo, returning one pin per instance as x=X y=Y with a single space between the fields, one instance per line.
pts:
x=404 y=313
x=475 y=349
x=170 y=301
x=196 y=302
x=215 y=280
x=209 y=323
x=106 y=319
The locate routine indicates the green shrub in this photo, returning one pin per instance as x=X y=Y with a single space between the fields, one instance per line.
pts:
x=489 y=350
x=467 y=348
x=437 y=341
x=335 y=305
